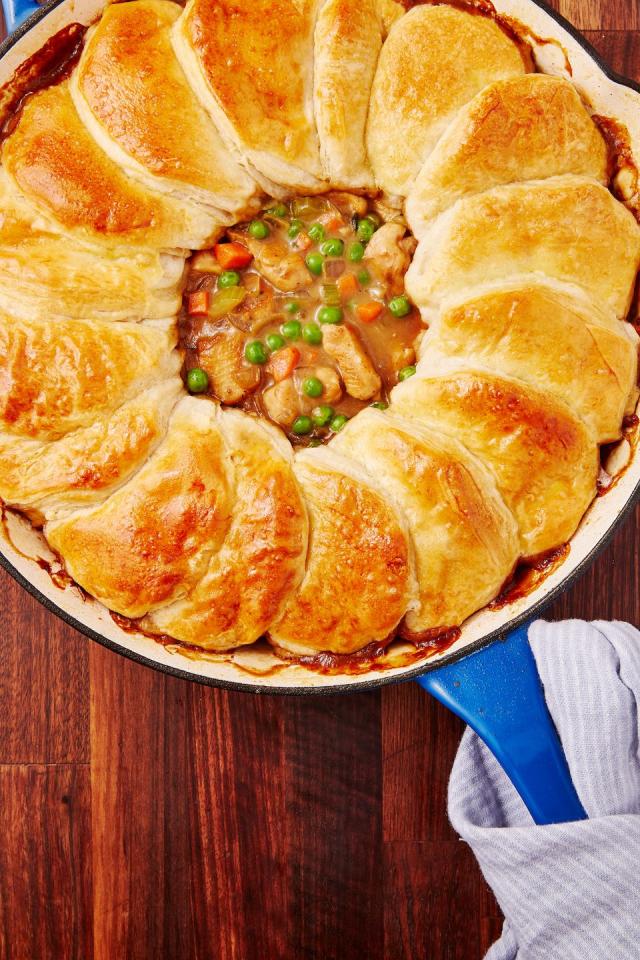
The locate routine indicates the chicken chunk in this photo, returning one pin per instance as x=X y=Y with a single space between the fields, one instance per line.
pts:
x=329 y=379
x=221 y=356
x=388 y=252
x=282 y=402
x=349 y=204
x=276 y=262
x=358 y=373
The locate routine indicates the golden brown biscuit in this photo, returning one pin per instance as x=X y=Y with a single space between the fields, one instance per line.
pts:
x=251 y=64
x=435 y=59
x=523 y=128
x=465 y=539
x=560 y=343
x=43 y=273
x=566 y=228
x=134 y=98
x=347 y=43
x=262 y=560
x=543 y=457
x=60 y=169
x=84 y=466
x=57 y=376
x=359 y=579
x=150 y=541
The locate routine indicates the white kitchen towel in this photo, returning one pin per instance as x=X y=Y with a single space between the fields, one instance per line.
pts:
x=568 y=891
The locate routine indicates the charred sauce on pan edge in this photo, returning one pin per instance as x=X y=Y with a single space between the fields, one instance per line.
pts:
x=50 y=65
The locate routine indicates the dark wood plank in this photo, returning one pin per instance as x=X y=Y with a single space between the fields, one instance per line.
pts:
x=437 y=907
x=44 y=683
x=600 y=14
x=333 y=796
x=45 y=863
x=128 y=791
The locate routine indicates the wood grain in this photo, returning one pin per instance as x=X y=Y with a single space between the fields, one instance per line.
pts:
x=145 y=818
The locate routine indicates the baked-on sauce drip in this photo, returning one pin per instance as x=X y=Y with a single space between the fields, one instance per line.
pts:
x=301 y=316
x=51 y=64
x=528 y=576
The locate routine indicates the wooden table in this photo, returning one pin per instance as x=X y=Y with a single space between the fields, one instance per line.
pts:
x=146 y=818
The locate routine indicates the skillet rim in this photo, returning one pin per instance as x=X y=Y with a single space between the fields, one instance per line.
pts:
x=498 y=635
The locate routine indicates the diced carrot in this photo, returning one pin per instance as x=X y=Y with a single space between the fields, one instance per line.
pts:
x=232 y=255
x=282 y=363
x=331 y=221
x=198 y=303
x=302 y=242
x=369 y=311
x=347 y=285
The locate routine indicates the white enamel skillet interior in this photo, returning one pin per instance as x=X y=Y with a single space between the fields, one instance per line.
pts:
x=21 y=548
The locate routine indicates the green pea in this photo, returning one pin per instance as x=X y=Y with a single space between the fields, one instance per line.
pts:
x=365 y=229
x=294 y=228
x=292 y=329
x=380 y=405
x=312 y=387
x=333 y=247
x=406 y=372
x=302 y=425
x=278 y=210
x=275 y=341
x=312 y=334
x=197 y=380
x=314 y=263
x=255 y=352
x=364 y=278
x=338 y=422
x=356 y=251
x=259 y=230
x=322 y=415
x=316 y=232
x=400 y=306
x=329 y=315
x=292 y=307
x=229 y=278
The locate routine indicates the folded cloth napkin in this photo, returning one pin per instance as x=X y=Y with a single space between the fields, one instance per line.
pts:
x=569 y=891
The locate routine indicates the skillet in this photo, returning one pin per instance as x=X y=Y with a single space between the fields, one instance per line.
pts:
x=487 y=674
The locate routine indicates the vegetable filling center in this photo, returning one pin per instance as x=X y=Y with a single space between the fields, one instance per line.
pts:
x=301 y=315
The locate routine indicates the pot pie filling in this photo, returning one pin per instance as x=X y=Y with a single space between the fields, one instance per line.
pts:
x=301 y=314
x=423 y=299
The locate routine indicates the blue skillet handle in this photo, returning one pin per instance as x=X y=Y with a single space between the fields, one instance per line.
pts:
x=16 y=12
x=498 y=692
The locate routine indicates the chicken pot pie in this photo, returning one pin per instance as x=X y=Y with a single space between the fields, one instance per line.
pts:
x=313 y=317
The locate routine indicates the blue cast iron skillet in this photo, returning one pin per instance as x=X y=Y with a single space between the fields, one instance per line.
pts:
x=492 y=684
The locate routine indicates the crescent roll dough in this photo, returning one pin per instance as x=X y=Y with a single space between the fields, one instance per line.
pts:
x=523 y=128
x=57 y=376
x=152 y=539
x=543 y=335
x=262 y=559
x=348 y=39
x=565 y=228
x=251 y=64
x=133 y=96
x=543 y=457
x=60 y=169
x=435 y=59
x=456 y=516
x=359 y=579
x=81 y=468
x=43 y=273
